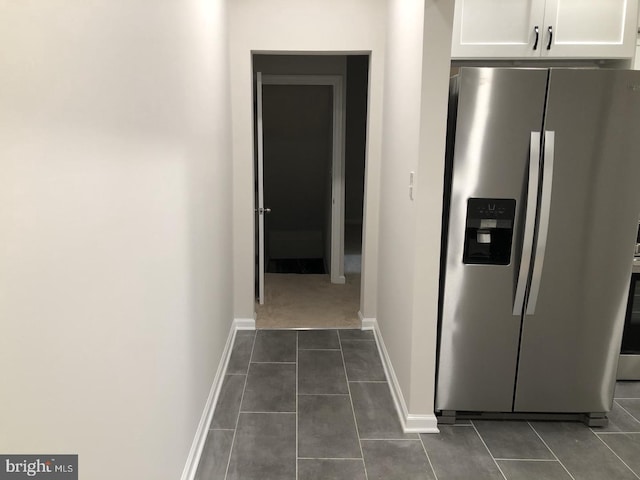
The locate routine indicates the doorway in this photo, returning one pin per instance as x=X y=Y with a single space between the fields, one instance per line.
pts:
x=297 y=129
x=310 y=165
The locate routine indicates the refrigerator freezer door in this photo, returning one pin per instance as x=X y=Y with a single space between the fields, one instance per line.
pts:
x=570 y=346
x=497 y=109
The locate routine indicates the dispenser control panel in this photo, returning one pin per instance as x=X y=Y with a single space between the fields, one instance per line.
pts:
x=489 y=231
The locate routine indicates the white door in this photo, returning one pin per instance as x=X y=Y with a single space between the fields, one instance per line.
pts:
x=260 y=209
x=589 y=29
x=497 y=29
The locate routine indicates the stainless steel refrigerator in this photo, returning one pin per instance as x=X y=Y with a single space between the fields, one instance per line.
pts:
x=541 y=204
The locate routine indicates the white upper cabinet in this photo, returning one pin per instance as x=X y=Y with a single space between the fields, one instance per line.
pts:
x=544 y=29
x=497 y=28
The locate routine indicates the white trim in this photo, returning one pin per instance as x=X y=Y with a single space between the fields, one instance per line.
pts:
x=197 y=446
x=337 y=162
x=244 y=323
x=426 y=423
x=367 y=323
x=260 y=212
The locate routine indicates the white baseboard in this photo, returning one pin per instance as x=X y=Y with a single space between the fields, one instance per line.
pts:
x=197 y=446
x=244 y=323
x=367 y=323
x=411 y=423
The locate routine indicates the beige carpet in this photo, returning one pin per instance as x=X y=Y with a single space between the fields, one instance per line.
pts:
x=309 y=301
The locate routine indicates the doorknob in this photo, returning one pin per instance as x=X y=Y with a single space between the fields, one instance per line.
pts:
x=264 y=210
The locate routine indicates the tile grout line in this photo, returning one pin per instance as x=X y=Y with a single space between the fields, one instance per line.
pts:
x=323 y=394
x=353 y=410
x=235 y=431
x=549 y=448
x=276 y=363
x=617 y=456
x=267 y=411
x=488 y=451
x=527 y=460
x=391 y=439
x=328 y=458
x=424 y=449
x=321 y=349
x=627 y=411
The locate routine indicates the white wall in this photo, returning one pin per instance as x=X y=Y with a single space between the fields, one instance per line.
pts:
x=414 y=125
x=115 y=229
x=288 y=26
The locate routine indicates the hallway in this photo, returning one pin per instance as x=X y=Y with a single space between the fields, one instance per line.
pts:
x=315 y=405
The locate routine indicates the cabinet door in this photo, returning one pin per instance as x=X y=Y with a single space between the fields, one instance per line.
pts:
x=497 y=28
x=589 y=29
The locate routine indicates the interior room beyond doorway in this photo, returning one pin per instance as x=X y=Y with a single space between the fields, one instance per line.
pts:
x=299 y=188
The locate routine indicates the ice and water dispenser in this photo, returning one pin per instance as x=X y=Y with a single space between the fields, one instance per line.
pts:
x=489 y=231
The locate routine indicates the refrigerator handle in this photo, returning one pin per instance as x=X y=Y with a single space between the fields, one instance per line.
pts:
x=529 y=223
x=543 y=225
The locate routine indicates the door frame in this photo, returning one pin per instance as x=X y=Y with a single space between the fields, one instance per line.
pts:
x=336 y=264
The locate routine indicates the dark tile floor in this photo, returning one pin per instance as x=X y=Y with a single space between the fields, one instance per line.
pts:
x=315 y=405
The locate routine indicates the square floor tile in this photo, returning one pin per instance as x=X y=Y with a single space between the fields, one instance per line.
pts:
x=626 y=446
x=275 y=346
x=226 y=412
x=264 y=447
x=362 y=361
x=271 y=387
x=513 y=440
x=401 y=459
x=533 y=470
x=318 y=339
x=458 y=453
x=321 y=371
x=241 y=352
x=324 y=469
x=376 y=413
x=581 y=452
x=326 y=428
x=215 y=455
x=351 y=334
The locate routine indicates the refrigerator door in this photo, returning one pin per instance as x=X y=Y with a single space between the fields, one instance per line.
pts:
x=497 y=111
x=572 y=330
